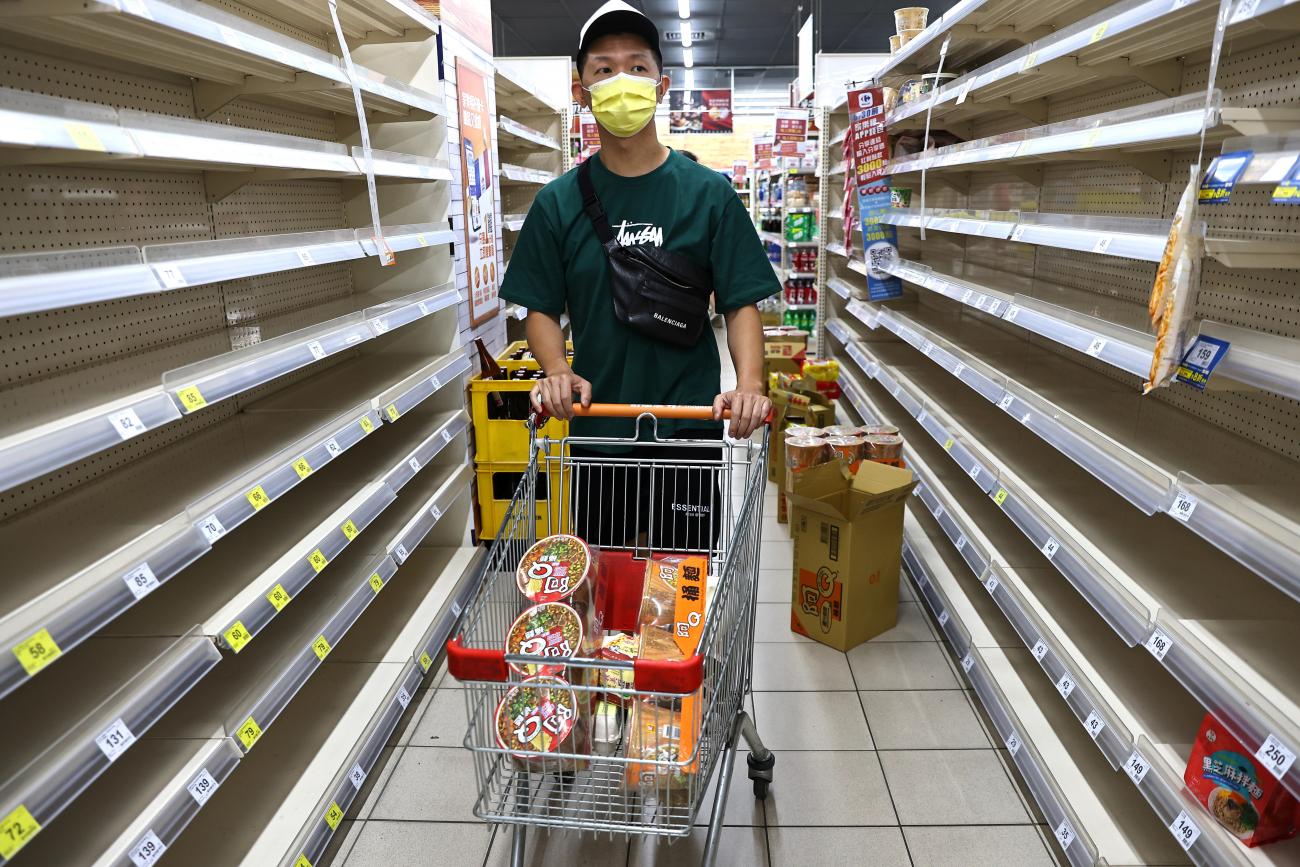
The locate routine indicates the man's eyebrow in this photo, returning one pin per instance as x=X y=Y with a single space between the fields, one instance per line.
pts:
x=609 y=57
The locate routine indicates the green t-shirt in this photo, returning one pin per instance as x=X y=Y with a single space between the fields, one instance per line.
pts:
x=558 y=264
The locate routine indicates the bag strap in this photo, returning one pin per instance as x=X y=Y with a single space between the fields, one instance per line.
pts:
x=591 y=204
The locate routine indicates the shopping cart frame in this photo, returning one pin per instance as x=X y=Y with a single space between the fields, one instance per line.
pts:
x=657 y=790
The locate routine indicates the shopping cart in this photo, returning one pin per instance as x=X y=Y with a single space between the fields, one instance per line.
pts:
x=681 y=719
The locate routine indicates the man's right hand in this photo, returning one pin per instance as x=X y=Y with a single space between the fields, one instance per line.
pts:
x=554 y=394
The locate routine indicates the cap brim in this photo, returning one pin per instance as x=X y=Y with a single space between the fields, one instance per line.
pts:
x=621 y=22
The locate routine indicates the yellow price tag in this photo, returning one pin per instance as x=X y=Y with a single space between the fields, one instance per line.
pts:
x=1001 y=496
x=321 y=646
x=237 y=636
x=318 y=560
x=302 y=468
x=249 y=732
x=37 y=652
x=393 y=414
x=1099 y=32
x=302 y=861
x=425 y=661
x=1091 y=138
x=424 y=242
x=16 y=829
x=1029 y=61
x=948 y=444
x=333 y=816
x=376 y=582
x=257 y=498
x=278 y=597
x=191 y=398
x=84 y=137
x=366 y=424
x=350 y=530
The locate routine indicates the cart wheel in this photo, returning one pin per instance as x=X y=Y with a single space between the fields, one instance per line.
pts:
x=760 y=790
x=761 y=773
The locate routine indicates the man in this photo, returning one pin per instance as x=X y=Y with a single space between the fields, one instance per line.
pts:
x=651 y=196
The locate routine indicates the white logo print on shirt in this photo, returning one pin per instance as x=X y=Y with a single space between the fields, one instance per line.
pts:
x=640 y=233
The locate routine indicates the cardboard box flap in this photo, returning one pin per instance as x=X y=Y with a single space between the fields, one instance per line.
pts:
x=823 y=489
x=878 y=485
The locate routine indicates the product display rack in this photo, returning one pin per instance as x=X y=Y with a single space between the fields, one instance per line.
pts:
x=236 y=363
x=1026 y=268
x=772 y=204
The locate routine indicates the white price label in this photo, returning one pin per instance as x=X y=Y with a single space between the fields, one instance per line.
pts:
x=1276 y=756
x=1159 y=643
x=317 y=351
x=966 y=662
x=140 y=581
x=171 y=276
x=1065 y=685
x=332 y=446
x=1018 y=233
x=1006 y=401
x=127 y=423
x=1012 y=312
x=943 y=617
x=959 y=370
x=400 y=551
x=356 y=777
x=927 y=348
x=965 y=90
x=403 y=697
x=446 y=437
x=1013 y=743
x=1039 y=650
x=975 y=471
x=413 y=464
x=305 y=257
x=965 y=297
x=202 y=787
x=1094 y=724
x=1136 y=767
x=380 y=325
x=1102 y=245
x=1185 y=831
x=1245 y=9
x=1050 y=547
x=147 y=851
x=980 y=301
x=1024 y=419
x=436 y=512
x=424 y=308
x=1064 y=834
x=991 y=584
x=1183 y=507
x=961 y=542
x=114 y=740
x=435 y=382
x=1098 y=344
x=212 y=528
x=995 y=307
x=921 y=416
x=938 y=511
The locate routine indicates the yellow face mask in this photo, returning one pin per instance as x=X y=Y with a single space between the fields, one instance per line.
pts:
x=624 y=104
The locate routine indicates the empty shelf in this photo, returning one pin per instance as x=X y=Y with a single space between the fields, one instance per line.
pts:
x=511 y=175
x=1125 y=237
x=517 y=136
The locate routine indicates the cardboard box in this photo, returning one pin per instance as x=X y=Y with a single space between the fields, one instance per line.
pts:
x=793 y=406
x=848 y=551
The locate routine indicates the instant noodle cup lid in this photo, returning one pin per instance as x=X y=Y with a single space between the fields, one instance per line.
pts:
x=803 y=430
x=551 y=630
x=842 y=430
x=537 y=715
x=553 y=568
x=878 y=429
x=884 y=439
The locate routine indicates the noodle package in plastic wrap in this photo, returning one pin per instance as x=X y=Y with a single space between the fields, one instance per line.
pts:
x=1233 y=784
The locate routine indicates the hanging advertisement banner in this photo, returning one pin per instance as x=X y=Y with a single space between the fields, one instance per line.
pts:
x=699 y=111
x=791 y=124
x=870 y=156
x=763 y=157
x=476 y=192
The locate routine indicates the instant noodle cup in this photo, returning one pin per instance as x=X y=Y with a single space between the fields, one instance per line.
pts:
x=895 y=44
x=850 y=448
x=906 y=36
x=842 y=430
x=804 y=452
x=803 y=430
x=550 y=630
x=537 y=717
x=884 y=447
x=871 y=429
x=555 y=568
x=911 y=18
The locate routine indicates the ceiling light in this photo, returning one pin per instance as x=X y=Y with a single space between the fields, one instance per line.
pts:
x=688 y=57
x=686 y=34
x=690 y=79
x=683 y=8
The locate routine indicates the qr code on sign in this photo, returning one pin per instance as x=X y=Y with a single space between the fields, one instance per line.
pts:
x=879 y=258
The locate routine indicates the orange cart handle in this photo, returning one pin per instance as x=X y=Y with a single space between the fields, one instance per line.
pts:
x=658 y=410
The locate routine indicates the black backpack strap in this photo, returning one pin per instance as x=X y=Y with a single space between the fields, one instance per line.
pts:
x=592 y=206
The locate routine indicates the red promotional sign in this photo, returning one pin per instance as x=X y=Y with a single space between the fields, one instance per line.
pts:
x=763 y=153
x=869 y=136
x=702 y=111
x=791 y=124
x=739 y=170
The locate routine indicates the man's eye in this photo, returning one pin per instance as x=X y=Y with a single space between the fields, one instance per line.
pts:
x=638 y=68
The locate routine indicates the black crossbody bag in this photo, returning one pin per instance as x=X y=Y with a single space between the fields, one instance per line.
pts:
x=659 y=294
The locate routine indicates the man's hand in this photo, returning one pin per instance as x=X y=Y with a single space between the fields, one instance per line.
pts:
x=749 y=409
x=554 y=394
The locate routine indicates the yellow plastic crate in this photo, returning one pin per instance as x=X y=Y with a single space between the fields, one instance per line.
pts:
x=495 y=485
x=501 y=433
x=508 y=364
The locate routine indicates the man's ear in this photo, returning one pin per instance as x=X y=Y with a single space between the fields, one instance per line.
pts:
x=580 y=96
x=664 y=84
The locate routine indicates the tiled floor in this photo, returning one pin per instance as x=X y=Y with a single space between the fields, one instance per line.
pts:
x=882 y=759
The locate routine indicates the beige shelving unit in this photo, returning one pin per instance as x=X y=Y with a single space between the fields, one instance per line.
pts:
x=1109 y=566
x=233 y=467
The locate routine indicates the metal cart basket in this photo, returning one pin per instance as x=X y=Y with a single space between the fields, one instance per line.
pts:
x=639 y=739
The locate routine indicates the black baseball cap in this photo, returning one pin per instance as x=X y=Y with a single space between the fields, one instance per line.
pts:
x=617 y=16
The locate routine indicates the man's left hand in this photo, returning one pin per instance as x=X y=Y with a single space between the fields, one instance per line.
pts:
x=749 y=409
